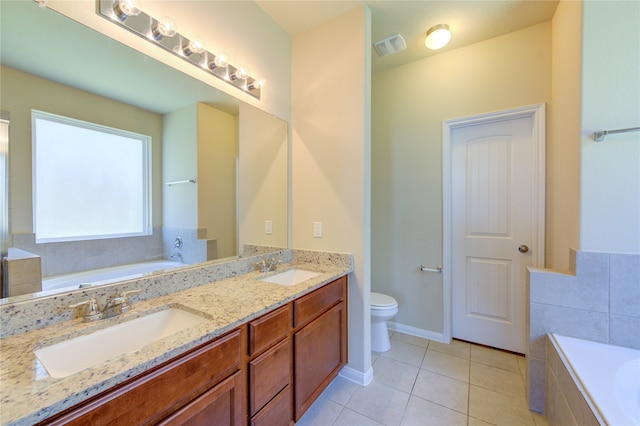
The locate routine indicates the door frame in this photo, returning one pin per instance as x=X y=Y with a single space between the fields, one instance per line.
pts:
x=537 y=113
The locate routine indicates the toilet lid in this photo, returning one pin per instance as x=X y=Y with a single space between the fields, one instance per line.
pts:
x=379 y=300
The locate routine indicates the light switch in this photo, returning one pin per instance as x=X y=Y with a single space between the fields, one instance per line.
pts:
x=317 y=229
x=268 y=227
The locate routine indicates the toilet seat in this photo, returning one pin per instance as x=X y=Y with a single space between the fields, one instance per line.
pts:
x=382 y=301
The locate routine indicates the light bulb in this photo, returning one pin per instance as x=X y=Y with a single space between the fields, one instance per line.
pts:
x=195 y=45
x=164 y=27
x=258 y=83
x=437 y=37
x=241 y=73
x=220 y=60
x=125 y=8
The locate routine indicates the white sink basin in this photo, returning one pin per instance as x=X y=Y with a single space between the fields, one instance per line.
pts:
x=71 y=356
x=290 y=277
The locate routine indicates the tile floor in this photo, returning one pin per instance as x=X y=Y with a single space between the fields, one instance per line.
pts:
x=420 y=382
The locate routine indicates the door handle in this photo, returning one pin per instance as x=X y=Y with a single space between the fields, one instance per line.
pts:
x=523 y=248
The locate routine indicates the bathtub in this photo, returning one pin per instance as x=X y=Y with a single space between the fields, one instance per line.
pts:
x=107 y=275
x=608 y=376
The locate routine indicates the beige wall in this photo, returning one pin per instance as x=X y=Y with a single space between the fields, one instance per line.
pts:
x=263 y=178
x=563 y=147
x=409 y=105
x=330 y=155
x=20 y=92
x=610 y=170
x=216 y=166
x=180 y=162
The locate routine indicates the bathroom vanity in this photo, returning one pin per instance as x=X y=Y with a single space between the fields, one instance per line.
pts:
x=263 y=355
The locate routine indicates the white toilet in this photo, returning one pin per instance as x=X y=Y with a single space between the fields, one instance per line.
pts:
x=383 y=308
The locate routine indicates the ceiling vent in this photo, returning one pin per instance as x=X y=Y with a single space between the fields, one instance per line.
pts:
x=390 y=45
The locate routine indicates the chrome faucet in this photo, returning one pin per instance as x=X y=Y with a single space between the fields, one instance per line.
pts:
x=91 y=312
x=267 y=265
x=116 y=305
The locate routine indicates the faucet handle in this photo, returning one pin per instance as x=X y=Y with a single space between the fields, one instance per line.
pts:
x=124 y=296
x=91 y=312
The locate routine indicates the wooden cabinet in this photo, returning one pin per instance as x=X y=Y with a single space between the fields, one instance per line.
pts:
x=190 y=380
x=320 y=342
x=267 y=372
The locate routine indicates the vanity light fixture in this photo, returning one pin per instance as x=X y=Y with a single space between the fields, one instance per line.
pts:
x=163 y=33
x=438 y=36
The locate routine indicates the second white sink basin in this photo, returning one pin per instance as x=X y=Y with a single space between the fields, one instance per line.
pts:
x=290 y=277
x=74 y=355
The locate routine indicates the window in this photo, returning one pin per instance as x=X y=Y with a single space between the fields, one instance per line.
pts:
x=89 y=181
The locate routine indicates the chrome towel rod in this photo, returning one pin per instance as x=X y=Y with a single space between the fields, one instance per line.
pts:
x=181 y=181
x=599 y=136
x=437 y=269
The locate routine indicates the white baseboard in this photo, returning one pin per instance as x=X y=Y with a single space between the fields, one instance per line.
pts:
x=415 y=331
x=356 y=376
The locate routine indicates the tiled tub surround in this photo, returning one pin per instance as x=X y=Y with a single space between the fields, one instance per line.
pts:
x=600 y=301
x=579 y=394
x=227 y=294
x=73 y=256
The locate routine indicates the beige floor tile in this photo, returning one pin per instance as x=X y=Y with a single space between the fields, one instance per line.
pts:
x=395 y=374
x=351 y=418
x=379 y=402
x=340 y=390
x=477 y=422
x=496 y=379
x=323 y=412
x=442 y=390
x=448 y=365
x=455 y=348
x=412 y=340
x=404 y=352
x=499 y=409
x=495 y=358
x=421 y=412
x=540 y=419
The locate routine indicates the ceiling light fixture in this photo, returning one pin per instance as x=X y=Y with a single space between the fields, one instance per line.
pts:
x=437 y=37
x=163 y=33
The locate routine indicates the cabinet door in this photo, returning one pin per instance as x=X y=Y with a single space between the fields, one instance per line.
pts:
x=221 y=405
x=319 y=353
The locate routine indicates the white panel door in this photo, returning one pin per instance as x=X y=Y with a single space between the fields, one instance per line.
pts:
x=491 y=230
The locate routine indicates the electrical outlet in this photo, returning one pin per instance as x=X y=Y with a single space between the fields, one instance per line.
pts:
x=317 y=229
x=268 y=227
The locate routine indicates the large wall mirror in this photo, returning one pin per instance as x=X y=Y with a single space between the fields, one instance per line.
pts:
x=218 y=167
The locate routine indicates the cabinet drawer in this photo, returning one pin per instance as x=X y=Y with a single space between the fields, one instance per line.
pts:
x=277 y=412
x=310 y=306
x=268 y=375
x=153 y=395
x=269 y=329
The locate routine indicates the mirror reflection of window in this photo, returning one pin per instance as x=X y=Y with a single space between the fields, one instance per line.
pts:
x=90 y=181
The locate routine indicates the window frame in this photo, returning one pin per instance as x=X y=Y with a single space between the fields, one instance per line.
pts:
x=146 y=145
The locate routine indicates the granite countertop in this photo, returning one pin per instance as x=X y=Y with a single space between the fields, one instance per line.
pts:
x=28 y=394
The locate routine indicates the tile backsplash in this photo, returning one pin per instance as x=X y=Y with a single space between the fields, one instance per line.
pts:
x=599 y=301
